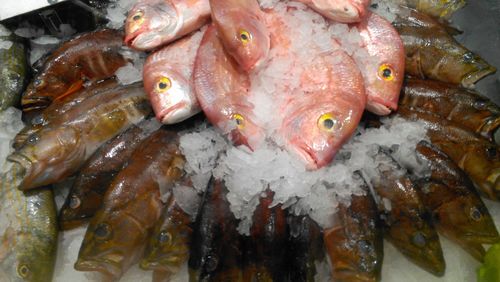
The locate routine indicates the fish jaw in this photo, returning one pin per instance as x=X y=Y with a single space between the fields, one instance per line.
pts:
x=106 y=267
x=176 y=113
x=470 y=79
x=380 y=108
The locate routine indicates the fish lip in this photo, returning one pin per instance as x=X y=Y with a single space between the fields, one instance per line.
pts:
x=166 y=113
x=379 y=109
x=35 y=103
x=470 y=79
x=110 y=267
x=305 y=153
x=22 y=160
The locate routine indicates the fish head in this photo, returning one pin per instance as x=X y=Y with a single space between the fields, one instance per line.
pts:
x=246 y=39
x=44 y=88
x=149 y=24
x=241 y=128
x=384 y=88
x=345 y=11
x=45 y=152
x=171 y=94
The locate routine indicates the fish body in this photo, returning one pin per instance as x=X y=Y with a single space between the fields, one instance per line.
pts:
x=384 y=69
x=458 y=211
x=433 y=53
x=117 y=234
x=13 y=70
x=354 y=243
x=60 y=149
x=29 y=239
x=476 y=156
x=86 y=195
x=344 y=11
x=221 y=89
x=462 y=106
x=437 y=8
x=242 y=30
x=153 y=23
x=168 y=80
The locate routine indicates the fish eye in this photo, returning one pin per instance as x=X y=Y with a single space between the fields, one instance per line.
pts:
x=23 y=270
x=245 y=36
x=386 y=72
x=102 y=231
x=240 y=121
x=38 y=82
x=164 y=237
x=163 y=84
x=138 y=17
x=74 y=202
x=33 y=138
x=468 y=57
x=475 y=214
x=419 y=239
x=491 y=152
x=327 y=122
x=37 y=120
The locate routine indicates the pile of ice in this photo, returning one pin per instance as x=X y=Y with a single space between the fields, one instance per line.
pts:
x=116 y=12
x=131 y=72
x=4 y=32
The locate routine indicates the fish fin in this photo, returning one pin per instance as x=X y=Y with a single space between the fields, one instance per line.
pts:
x=72 y=89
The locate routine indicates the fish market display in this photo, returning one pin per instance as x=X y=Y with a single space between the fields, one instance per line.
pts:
x=242 y=30
x=29 y=238
x=168 y=80
x=60 y=149
x=13 y=70
x=86 y=58
x=132 y=205
x=94 y=178
x=152 y=23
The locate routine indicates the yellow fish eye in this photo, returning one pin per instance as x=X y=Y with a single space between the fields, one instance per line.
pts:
x=138 y=17
x=240 y=121
x=327 y=122
x=245 y=36
x=165 y=237
x=23 y=270
x=386 y=72
x=164 y=84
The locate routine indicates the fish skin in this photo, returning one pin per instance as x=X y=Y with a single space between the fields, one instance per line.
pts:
x=59 y=150
x=87 y=192
x=159 y=22
x=463 y=106
x=344 y=11
x=221 y=89
x=433 y=53
x=28 y=243
x=242 y=30
x=13 y=71
x=216 y=248
x=476 y=156
x=355 y=242
x=175 y=69
x=90 y=57
x=386 y=50
x=406 y=220
x=117 y=234
x=437 y=8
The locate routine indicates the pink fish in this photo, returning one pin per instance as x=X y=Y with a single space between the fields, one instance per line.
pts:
x=242 y=30
x=222 y=89
x=168 y=80
x=384 y=68
x=152 y=23
x=344 y=11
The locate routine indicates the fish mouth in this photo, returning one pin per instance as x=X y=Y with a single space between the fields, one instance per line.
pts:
x=165 y=115
x=35 y=103
x=378 y=109
x=21 y=160
x=305 y=153
x=470 y=79
x=104 y=266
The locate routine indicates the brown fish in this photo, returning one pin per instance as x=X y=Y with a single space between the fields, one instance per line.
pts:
x=463 y=106
x=437 y=8
x=90 y=57
x=86 y=194
x=118 y=233
x=433 y=53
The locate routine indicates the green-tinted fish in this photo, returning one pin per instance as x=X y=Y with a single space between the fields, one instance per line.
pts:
x=489 y=271
x=28 y=241
x=117 y=234
x=458 y=211
x=13 y=69
x=433 y=53
x=437 y=8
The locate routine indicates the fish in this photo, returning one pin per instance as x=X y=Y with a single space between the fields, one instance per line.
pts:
x=404 y=216
x=355 y=242
x=87 y=192
x=153 y=23
x=437 y=8
x=344 y=11
x=433 y=53
x=28 y=244
x=264 y=255
x=87 y=58
x=168 y=80
x=117 y=234
x=384 y=69
x=14 y=69
x=59 y=107
x=242 y=30
x=216 y=248
x=304 y=246
x=221 y=89
x=462 y=106
x=457 y=210
x=59 y=150
x=168 y=246
x=476 y=156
